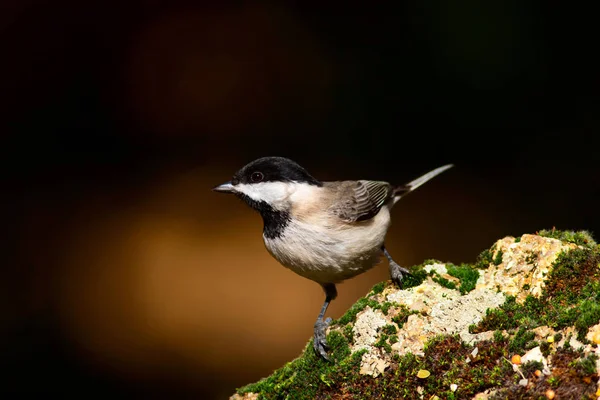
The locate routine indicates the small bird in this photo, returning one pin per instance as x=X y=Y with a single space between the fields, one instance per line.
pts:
x=327 y=232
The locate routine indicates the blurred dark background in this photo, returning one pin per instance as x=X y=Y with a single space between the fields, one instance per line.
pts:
x=126 y=276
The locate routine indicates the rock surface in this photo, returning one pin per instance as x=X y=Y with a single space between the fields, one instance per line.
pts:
x=400 y=329
x=524 y=266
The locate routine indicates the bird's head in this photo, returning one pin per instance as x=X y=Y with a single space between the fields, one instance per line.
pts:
x=267 y=183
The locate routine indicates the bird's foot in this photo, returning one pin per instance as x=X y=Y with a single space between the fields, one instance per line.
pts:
x=397 y=273
x=320 y=338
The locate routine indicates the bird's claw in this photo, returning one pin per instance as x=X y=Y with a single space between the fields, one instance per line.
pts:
x=320 y=338
x=397 y=273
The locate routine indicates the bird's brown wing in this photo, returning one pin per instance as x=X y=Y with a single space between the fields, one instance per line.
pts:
x=360 y=200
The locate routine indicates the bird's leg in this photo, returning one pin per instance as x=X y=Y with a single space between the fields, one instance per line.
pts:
x=396 y=272
x=320 y=336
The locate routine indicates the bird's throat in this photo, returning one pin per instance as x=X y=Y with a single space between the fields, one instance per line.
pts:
x=275 y=221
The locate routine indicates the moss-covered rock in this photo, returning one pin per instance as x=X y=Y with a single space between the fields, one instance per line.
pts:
x=522 y=320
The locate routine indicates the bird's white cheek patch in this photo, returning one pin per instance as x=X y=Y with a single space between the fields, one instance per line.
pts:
x=273 y=193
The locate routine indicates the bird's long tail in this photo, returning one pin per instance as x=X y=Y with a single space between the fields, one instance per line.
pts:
x=400 y=191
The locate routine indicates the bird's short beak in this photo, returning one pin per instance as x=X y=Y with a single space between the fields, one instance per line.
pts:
x=227 y=187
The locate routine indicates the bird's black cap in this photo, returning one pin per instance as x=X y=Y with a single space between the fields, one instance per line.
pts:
x=273 y=169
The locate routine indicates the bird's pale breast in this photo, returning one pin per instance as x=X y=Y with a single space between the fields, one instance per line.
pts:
x=330 y=252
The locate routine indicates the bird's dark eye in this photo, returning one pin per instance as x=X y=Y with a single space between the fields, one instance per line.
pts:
x=256 y=177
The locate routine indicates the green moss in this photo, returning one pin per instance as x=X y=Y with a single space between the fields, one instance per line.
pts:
x=558 y=337
x=553 y=381
x=499 y=336
x=431 y=261
x=378 y=288
x=303 y=377
x=520 y=341
x=587 y=366
x=383 y=343
x=467 y=275
x=387 y=338
x=360 y=305
x=589 y=315
x=350 y=315
x=385 y=307
x=498 y=259
x=485 y=258
x=529 y=368
x=417 y=276
x=580 y=238
x=545 y=348
x=347 y=332
x=443 y=282
x=389 y=329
